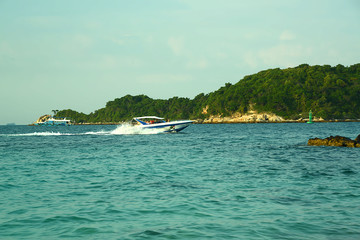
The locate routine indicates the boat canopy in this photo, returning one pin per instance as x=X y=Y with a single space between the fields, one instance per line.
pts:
x=149 y=120
x=150 y=117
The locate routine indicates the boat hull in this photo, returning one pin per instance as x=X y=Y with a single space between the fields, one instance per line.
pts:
x=174 y=126
x=54 y=122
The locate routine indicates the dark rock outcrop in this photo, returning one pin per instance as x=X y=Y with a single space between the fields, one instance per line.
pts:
x=357 y=139
x=337 y=141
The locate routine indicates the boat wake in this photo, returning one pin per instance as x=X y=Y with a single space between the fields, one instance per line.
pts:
x=123 y=129
x=38 y=134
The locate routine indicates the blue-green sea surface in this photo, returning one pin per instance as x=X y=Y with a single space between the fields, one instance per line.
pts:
x=230 y=181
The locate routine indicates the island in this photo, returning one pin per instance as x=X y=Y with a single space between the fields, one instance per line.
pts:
x=332 y=93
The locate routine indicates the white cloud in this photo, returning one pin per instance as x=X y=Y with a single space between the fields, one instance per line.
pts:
x=109 y=62
x=200 y=64
x=45 y=21
x=251 y=35
x=221 y=55
x=176 y=45
x=6 y=50
x=287 y=36
x=251 y=59
x=118 y=41
x=115 y=62
x=164 y=78
x=149 y=39
x=82 y=41
x=76 y=45
x=281 y=56
x=285 y=55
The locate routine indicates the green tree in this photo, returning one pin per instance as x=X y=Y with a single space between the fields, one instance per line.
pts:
x=331 y=92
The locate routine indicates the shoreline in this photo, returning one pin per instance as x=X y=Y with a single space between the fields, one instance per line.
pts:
x=198 y=121
x=236 y=118
x=283 y=121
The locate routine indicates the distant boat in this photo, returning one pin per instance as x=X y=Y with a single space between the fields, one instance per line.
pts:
x=10 y=124
x=158 y=123
x=54 y=122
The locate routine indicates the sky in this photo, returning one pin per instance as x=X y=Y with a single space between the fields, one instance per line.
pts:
x=66 y=54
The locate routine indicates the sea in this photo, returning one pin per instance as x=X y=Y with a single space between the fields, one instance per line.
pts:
x=210 y=181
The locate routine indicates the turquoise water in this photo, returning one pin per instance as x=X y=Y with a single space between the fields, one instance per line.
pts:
x=230 y=181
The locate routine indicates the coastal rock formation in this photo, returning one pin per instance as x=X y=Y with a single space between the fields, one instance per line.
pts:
x=250 y=117
x=205 y=110
x=43 y=118
x=337 y=141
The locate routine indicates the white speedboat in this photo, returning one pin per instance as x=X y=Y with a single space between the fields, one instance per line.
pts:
x=159 y=124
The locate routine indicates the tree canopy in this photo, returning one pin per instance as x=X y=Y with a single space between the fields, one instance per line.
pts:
x=330 y=92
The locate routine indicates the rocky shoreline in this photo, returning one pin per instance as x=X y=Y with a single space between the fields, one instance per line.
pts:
x=254 y=117
x=337 y=141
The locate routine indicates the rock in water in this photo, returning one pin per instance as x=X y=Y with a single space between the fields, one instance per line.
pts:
x=357 y=139
x=337 y=141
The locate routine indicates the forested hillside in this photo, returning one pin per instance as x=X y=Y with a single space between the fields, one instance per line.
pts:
x=330 y=92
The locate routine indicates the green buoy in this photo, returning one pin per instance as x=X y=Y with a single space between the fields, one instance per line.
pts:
x=310 y=117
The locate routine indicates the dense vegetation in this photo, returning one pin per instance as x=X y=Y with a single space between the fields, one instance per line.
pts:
x=330 y=92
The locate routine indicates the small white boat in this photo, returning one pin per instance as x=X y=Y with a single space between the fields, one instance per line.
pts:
x=159 y=124
x=55 y=122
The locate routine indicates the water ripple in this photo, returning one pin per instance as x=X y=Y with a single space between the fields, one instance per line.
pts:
x=236 y=181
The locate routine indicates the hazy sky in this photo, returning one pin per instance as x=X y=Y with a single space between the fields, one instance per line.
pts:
x=79 y=54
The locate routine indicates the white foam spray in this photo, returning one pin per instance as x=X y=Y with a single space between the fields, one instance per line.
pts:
x=97 y=133
x=128 y=129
